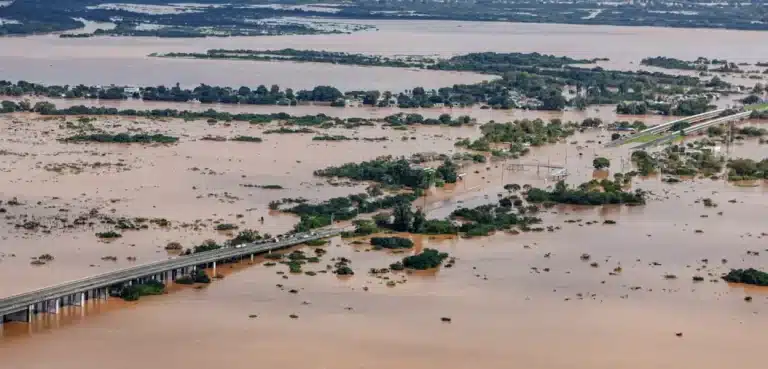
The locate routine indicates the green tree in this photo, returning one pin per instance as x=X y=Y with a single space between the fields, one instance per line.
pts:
x=448 y=172
x=601 y=163
x=44 y=107
x=374 y=190
x=403 y=217
x=418 y=221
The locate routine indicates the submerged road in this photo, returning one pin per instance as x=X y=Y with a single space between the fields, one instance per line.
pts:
x=96 y=286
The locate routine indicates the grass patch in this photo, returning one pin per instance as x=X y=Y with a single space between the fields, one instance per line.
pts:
x=246 y=139
x=121 y=138
x=645 y=138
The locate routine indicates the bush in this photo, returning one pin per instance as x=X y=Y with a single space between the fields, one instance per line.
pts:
x=121 y=138
x=427 y=259
x=601 y=163
x=590 y=193
x=392 y=242
x=225 y=227
x=134 y=292
x=208 y=245
x=245 y=236
x=344 y=270
x=247 y=139
x=747 y=276
x=108 y=235
x=185 y=279
x=199 y=276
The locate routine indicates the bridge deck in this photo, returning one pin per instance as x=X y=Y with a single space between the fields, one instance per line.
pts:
x=22 y=301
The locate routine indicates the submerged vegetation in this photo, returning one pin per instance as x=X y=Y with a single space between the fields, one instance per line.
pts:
x=394 y=172
x=427 y=259
x=121 y=138
x=531 y=81
x=747 y=169
x=747 y=276
x=392 y=242
x=591 y=193
x=343 y=208
x=136 y=291
x=514 y=138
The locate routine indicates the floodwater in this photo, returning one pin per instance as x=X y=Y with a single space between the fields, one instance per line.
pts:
x=515 y=301
x=124 y=61
x=510 y=305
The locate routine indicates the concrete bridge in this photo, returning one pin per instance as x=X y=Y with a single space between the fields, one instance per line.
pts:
x=666 y=126
x=22 y=307
x=694 y=129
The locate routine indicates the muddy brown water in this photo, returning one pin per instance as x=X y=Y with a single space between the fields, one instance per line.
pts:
x=504 y=314
x=124 y=61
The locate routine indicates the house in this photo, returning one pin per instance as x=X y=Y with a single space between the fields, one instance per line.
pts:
x=353 y=103
x=130 y=91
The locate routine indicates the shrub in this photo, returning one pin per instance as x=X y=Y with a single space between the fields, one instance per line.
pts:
x=247 y=139
x=427 y=259
x=208 y=245
x=108 y=235
x=392 y=242
x=134 y=292
x=747 y=276
x=344 y=270
x=225 y=227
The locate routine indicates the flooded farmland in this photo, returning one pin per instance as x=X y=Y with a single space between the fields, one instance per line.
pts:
x=527 y=300
x=516 y=296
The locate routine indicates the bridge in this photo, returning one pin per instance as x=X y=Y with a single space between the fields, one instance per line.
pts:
x=694 y=129
x=665 y=126
x=22 y=307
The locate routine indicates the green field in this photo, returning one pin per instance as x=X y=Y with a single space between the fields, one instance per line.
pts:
x=645 y=138
x=761 y=106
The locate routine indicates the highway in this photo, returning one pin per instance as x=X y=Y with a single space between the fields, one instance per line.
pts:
x=21 y=302
x=693 y=129
x=665 y=126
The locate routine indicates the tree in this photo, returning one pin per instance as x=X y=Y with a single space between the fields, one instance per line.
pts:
x=758 y=89
x=244 y=91
x=8 y=106
x=615 y=136
x=374 y=190
x=444 y=118
x=601 y=163
x=25 y=105
x=44 y=107
x=371 y=97
x=403 y=217
x=579 y=103
x=419 y=219
x=447 y=171
x=751 y=99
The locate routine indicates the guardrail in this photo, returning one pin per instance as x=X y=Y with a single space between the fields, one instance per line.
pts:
x=22 y=301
